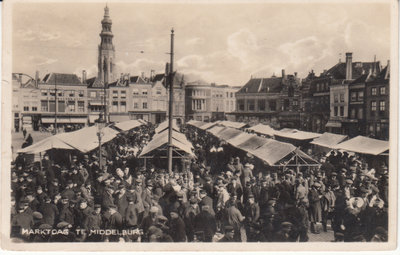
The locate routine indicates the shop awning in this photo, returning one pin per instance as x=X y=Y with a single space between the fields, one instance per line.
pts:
x=119 y=118
x=329 y=140
x=208 y=125
x=128 y=125
x=252 y=144
x=296 y=134
x=334 y=124
x=235 y=141
x=263 y=129
x=364 y=145
x=215 y=130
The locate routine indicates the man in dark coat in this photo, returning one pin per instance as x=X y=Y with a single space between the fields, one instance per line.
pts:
x=131 y=213
x=49 y=211
x=121 y=200
x=229 y=235
x=205 y=222
x=67 y=211
x=177 y=227
x=206 y=200
x=315 y=207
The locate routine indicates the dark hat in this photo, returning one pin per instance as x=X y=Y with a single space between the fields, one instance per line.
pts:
x=121 y=186
x=62 y=224
x=130 y=198
x=162 y=218
x=271 y=201
x=228 y=228
x=251 y=196
x=286 y=224
x=37 y=215
x=202 y=191
x=21 y=206
x=29 y=192
x=64 y=196
x=174 y=210
x=149 y=183
x=47 y=199
x=83 y=201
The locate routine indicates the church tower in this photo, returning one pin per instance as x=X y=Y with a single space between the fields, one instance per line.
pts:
x=106 y=65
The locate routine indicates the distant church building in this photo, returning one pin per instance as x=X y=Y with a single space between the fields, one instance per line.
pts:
x=106 y=60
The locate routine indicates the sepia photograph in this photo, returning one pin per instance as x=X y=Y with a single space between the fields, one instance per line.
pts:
x=193 y=124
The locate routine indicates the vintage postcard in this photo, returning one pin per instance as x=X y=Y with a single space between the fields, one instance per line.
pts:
x=199 y=125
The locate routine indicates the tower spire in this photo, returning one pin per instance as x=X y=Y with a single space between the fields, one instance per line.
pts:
x=106 y=59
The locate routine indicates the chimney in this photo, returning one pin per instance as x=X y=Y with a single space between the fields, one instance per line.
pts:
x=349 y=65
x=283 y=73
x=387 y=74
x=84 y=76
x=295 y=74
x=152 y=75
x=37 y=78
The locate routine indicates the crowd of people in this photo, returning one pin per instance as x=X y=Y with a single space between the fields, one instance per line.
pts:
x=222 y=195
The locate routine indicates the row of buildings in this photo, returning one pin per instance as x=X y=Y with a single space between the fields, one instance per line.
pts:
x=350 y=98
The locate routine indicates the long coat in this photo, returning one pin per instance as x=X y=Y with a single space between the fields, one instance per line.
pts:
x=177 y=230
x=315 y=206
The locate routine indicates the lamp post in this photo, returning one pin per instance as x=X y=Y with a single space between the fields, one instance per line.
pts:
x=100 y=124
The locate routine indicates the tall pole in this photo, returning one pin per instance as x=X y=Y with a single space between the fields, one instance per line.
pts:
x=55 y=101
x=171 y=101
x=105 y=102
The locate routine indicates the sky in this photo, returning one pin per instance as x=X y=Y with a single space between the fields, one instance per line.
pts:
x=225 y=43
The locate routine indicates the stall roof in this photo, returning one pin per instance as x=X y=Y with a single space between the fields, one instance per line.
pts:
x=241 y=138
x=253 y=143
x=207 y=125
x=215 y=130
x=263 y=129
x=296 y=134
x=195 y=123
x=364 y=145
x=48 y=143
x=164 y=125
x=179 y=141
x=232 y=124
x=329 y=140
x=228 y=133
x=273 y=151
x=86 y=139
x=128 y=125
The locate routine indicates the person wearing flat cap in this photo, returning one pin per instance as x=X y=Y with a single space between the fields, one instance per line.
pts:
x=229 y=234
x=50 y=212
x=284 y=234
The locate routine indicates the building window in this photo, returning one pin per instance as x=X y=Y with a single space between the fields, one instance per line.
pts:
x=34 y=109
x=44 y=92
x=250 y=104
x=135 y=105
x=360 y=95
x=272 y=105
x=115 y=106
x=52 y=106
x=123 y=94
x=158 y=92
x=336 y=98
x=92 y=94
x=71 y=93
x=144 y=92
x=115 y=93
x=353 y=113
x=382 y=106
x=26 y=108
x=231 y=94
x=44 y=106
x=296 y=103
x=61 y=106
x=145 y=105
x=373 y=106
x=373 y=91
x=353 y=96
x=335 y=111
x=261 y=105
x=240 y=104
x=135 y=92
x=378 y=127
x=123 y=106
x=81 y=106
x=341 y=98
x=199 y=118
x=318 y=87
x=360 y=113
x=71 y=106
x=52 y=93
x=81 y=93
x=342 y=111
x=382 y=90
x=60 y=93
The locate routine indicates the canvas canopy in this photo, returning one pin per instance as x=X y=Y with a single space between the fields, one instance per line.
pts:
x=86 y=139
x=273 y=151
x=128 y=125
x=232 y=124
x=52 y=142
x=235 y=141
x=208 y=125
x=215 y=130
x=159 y=141
x=228 y=133
x=195 y=123
x=263 y=129
x=165 y=125
x=329 y=140
x=252 y=144
x=296 y=134
x=364 y=145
